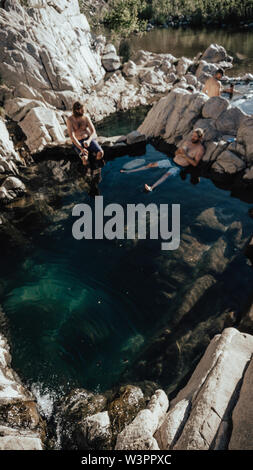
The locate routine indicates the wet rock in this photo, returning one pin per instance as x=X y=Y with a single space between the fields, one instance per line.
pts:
x=246 y=323
x=125 y=406
x=94 y=432
x=140 y=432
x=73 y=411
x=11 y=188
x=242 y=418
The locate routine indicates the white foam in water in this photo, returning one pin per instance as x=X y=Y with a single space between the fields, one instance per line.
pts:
x=45 y=399
x=134 y=164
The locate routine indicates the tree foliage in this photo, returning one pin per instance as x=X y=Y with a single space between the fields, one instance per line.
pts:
x=131 y=15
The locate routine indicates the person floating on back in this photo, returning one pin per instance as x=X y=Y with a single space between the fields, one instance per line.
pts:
x=83 y=133
x=189 y=154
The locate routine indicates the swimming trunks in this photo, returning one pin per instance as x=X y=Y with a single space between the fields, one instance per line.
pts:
x=173 y=168
x=164 y=164
x=94 y=147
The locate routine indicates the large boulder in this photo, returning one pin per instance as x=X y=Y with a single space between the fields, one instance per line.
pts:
x=205 y=68
x=215 y=54
x=245 y=137
x=183 y=65
x=230 y=121
x=110 y=58
x=173 y=116
x=199 y=417
x=214 y=107
x=228 y=163
x=42 y=128
x=242 y=418
x=48 y=47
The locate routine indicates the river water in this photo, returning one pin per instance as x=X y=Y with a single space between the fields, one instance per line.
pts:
x=80 y=312
x=189 y=42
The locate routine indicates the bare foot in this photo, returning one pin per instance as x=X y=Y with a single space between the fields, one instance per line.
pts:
x=148 y=188
x=122 y=171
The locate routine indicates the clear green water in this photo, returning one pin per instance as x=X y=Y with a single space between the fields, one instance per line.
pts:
x=80 y=311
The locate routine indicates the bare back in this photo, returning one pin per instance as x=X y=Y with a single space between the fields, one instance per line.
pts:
x=212 y=87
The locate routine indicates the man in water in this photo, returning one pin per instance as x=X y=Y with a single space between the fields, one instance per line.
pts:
x=213 y=86
x=82 y=134
x=190 y=154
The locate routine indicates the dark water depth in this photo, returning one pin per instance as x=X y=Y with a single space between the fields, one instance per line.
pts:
x=81 y=311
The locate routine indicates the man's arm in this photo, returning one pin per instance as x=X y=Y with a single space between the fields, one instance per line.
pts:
x=91 y=130
x=194 y=161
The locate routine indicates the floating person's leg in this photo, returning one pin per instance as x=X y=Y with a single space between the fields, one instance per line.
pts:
x=141 y=168
x=172 y=172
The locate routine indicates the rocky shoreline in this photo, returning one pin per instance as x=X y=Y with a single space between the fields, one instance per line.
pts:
x=212 y=412
x=49 y=59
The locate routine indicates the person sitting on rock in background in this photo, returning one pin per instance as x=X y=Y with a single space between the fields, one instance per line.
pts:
x=213 y=86
x=83 y=133
x=190 y=153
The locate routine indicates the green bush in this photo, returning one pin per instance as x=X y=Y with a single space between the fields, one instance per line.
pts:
x=126 y=16
x=123 y=16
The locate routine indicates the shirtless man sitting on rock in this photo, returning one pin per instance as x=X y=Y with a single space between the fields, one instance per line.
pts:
x=213 y=86
x=189 y=154
x=82 y=134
